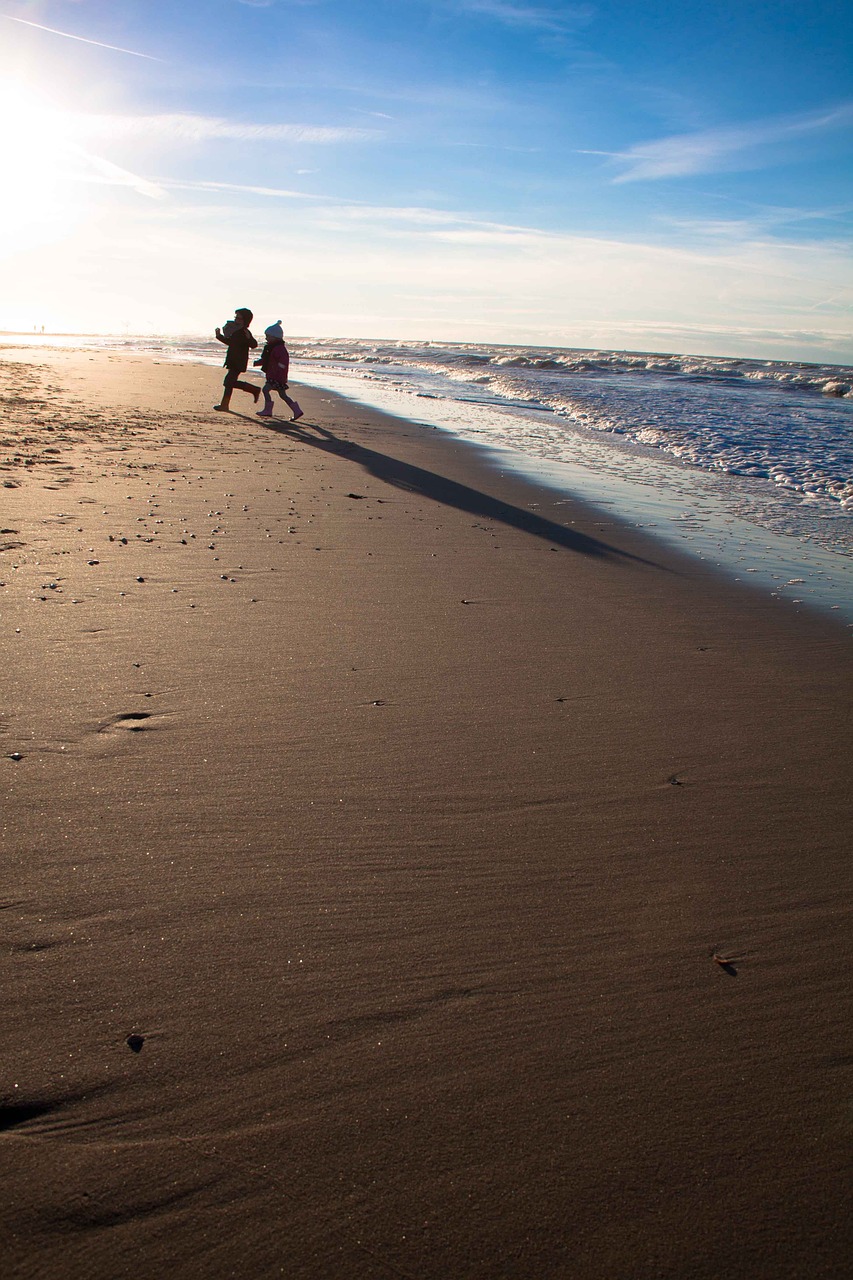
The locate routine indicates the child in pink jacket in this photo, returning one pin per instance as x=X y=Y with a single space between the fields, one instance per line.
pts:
x=275 y=362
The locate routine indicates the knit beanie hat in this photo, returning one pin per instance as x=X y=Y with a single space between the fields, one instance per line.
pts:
x=274 y=331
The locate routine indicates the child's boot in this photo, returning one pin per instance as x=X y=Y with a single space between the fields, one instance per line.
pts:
x=266 y=412
x=225 y=403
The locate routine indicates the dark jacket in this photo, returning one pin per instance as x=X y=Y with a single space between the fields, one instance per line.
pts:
x=240 y=344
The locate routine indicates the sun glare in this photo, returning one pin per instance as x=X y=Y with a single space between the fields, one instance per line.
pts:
x=38 y=154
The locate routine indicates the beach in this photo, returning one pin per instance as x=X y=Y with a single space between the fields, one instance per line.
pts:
x=408 y=870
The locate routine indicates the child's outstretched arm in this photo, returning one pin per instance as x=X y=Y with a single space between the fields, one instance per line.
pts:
x=220 y=337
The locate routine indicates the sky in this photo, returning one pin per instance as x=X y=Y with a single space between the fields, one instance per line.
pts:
x=620 y=174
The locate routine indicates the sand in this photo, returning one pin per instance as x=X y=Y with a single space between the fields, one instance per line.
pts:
x=371 y=822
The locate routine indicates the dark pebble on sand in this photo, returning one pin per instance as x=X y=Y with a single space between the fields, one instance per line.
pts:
x=135 y=1043
x=15 y=755
x=140 y=579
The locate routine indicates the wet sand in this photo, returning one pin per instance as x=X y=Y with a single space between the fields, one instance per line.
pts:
x=407 y=871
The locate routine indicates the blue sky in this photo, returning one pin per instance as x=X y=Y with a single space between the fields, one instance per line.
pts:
x=630 y=175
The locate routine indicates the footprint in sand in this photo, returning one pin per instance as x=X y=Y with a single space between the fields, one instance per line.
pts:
x=44 y=944
x=130 y=722
x=18 y=1113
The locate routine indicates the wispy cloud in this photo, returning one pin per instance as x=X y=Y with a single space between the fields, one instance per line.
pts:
x=496 y=146
x=195 y=128
x=409 y=279
x=442 y=223
x=741 y=146
x=115 y=175
x=513 y=14
x=67 y=35
x=702 y=242
x=760 y=221
x=239 y=188
x=341 y=211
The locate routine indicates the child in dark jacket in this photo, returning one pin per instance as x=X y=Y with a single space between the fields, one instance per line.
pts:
x=275 y=362
x=237 y=337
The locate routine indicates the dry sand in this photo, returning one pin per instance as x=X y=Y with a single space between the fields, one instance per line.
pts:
x=398 y=808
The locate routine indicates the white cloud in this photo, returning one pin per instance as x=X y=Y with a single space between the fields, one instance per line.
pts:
x=739 y=146
x=421 y=272
x=761 y=221
x=117 y=176
x=414 y=215
x=341 y=212
x=184 y=127
x=239 y=188
x=563 y=18
x=483 y=236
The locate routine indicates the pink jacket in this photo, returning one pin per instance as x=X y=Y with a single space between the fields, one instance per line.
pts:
x=277 y=363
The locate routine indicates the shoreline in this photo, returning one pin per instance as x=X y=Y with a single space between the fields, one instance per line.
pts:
x=519 y=474
x=799 y=556
x=401 y=808
x=689 y=509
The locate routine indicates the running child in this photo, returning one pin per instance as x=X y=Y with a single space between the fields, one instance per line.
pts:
x=238 y=338
x=275 y=362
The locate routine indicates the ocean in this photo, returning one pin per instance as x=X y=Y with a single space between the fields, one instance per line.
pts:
x=746 y=464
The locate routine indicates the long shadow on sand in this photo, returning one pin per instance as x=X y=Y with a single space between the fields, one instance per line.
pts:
x=403 y=475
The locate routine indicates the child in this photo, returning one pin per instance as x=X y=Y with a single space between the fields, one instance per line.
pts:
x=238 y=339
x=275 y=362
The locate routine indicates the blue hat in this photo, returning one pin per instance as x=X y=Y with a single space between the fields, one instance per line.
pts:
x=274 y=331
